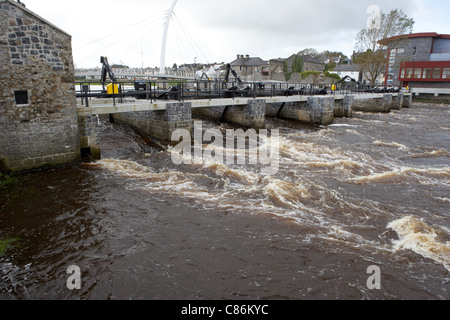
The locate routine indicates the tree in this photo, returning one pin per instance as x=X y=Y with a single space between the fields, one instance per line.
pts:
x=311 y=52
x=287 y=74
x=119 y=66
x=371 y=53
x=330 y=66
x=297 y=64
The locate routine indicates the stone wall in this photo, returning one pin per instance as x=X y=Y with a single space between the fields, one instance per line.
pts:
x=317 y=110
x=160 y=124
x=38 y=117
x=343 y=108
x=370 y=104
x=89 y=129
x=252 y=115
x=214 y=113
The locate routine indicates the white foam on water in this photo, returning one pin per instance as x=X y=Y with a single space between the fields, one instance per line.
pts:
x=305 y=201
x=405 y=174
x=399 y=146
x=418 y=236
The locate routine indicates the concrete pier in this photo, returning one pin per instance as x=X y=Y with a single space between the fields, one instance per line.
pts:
x=160 y=124
x=375 y=102
x=343 y=108
x=252 y=115
x=397 y=102
x=407 y=100
x=88 y=126
x=249 y=115
x=315 y=110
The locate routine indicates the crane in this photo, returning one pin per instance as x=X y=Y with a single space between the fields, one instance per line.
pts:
x=106 y=70
x=227 y=74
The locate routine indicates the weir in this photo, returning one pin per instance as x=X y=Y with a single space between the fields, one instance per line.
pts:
x=159 y=119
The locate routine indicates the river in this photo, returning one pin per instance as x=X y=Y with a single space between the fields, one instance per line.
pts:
x=368 y=191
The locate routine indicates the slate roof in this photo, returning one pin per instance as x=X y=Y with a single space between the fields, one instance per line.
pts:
x=347 y=68
x=249 y=62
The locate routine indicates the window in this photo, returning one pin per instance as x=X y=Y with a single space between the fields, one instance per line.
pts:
x=427 y=73
x=437 y=73
x=400 y=50
x=402 y=73
x=446 y=74
x=418 y=73
x=409 y=72
x=21 y=97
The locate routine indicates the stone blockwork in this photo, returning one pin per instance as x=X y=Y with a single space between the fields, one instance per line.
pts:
x=89 y=130
x=407 y=100
x=214 y=113
x=343 y=108
x=397 y=102
x=160 y=124
x=316 y=110
x=374 y=104
x=38 y=117
x=252 y=115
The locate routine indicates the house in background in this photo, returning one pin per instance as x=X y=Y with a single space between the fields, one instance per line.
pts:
x=251 y=68
x=420 y=61
x=278 y=67
x=349 y=70
x=309 y=63
x=355 y=71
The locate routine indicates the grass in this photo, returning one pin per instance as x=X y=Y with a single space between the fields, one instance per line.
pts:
x=7 y=244
x=7 y=181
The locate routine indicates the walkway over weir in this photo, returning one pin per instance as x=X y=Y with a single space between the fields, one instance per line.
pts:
x=107 y=106
x=160 y=118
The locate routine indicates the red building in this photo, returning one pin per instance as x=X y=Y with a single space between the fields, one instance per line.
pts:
x=420 y=61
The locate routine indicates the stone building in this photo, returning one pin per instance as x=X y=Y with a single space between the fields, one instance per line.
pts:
x=38 y=118
x=277 y=66
x=251 y=68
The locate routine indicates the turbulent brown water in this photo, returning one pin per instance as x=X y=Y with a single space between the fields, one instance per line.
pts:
x=372 y=190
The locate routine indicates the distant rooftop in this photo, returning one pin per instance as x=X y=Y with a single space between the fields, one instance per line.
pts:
x=347 y=68
x=415 y=35
x=305 y=58
x=248 y=61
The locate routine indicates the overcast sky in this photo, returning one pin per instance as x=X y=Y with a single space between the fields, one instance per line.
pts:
x=130 y=32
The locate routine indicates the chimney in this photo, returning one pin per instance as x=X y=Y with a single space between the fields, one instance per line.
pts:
x=247 y=57
x=238 y=56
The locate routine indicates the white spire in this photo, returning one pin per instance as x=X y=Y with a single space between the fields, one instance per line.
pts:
x=164 y=40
